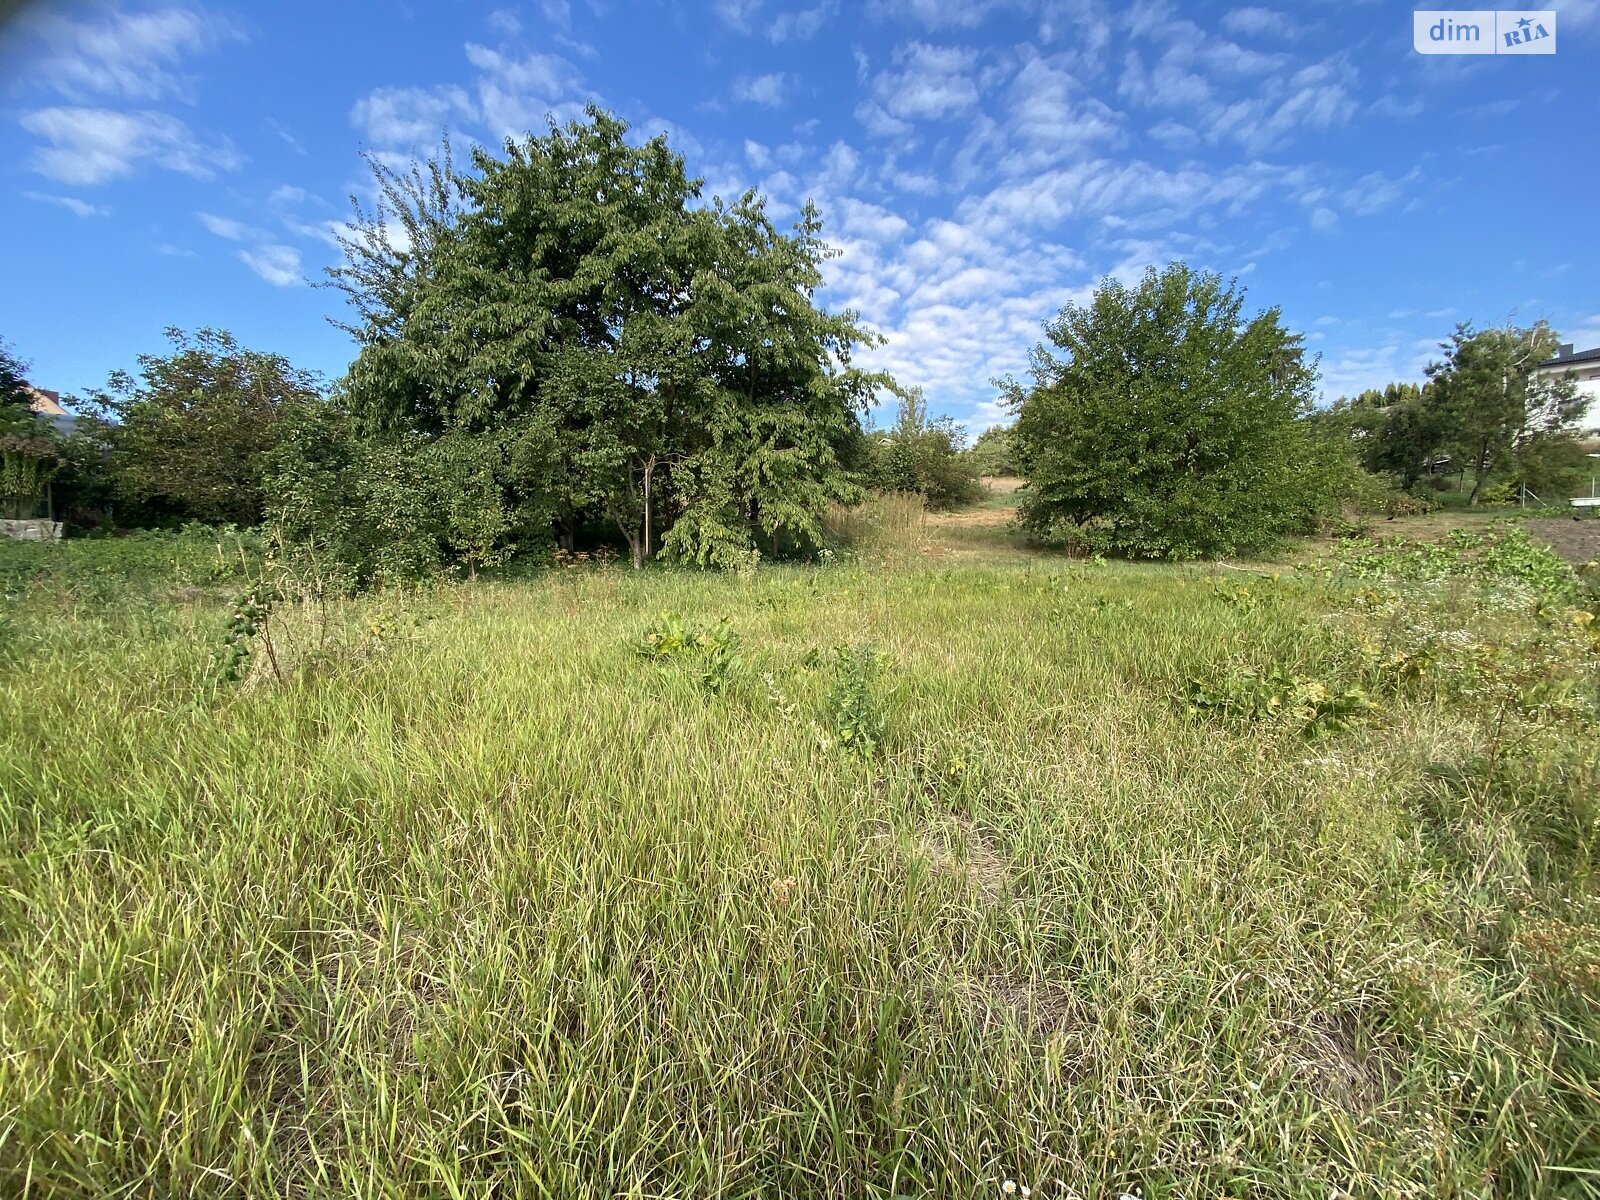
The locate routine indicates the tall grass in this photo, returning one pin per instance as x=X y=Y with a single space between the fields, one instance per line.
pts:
x=889 y=527
x=509 y=909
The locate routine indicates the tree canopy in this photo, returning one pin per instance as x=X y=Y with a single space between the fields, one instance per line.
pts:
x=29 y=450
x=568 y=328
x=191 y=433
x=1493 y=410
x=991 y=453
x=1482 y=410
x=1169 y=424
x=924 y=455
x=14 y=406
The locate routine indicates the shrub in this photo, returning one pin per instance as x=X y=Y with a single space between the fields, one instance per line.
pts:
x=1170 y=427
x=855 y=709
x=923 y=456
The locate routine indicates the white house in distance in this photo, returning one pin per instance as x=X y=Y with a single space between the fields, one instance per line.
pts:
x=1583 y=368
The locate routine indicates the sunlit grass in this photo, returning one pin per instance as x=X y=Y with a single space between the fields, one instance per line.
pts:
x=507 y=909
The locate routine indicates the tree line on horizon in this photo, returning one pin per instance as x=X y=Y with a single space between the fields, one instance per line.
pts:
x=1481 y=413
x=566 y=345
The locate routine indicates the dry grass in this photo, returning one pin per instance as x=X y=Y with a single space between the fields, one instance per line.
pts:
x=502 y=909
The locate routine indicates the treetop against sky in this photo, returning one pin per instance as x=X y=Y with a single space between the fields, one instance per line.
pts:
x=979 y=163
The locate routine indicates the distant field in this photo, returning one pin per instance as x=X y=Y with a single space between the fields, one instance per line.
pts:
x=1195 y=881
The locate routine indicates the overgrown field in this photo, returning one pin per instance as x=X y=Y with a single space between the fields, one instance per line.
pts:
x=852 y=880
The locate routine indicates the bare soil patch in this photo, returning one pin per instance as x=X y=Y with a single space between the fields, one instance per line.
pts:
x=1576 y=541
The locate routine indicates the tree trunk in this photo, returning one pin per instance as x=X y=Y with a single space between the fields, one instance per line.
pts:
x=1478 y=469
x=649 y=474
x=631 y=532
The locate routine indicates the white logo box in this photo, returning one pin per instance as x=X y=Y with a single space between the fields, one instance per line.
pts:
x=1484 y=31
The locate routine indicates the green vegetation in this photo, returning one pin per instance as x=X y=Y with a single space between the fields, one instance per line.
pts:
x=1170 y=426
x=192 y=436
x=402 y=844
x=28 y=456
x=923 y=455
x=572 y=344
x=1481 y=414
x=991 y=453
x=878 y=878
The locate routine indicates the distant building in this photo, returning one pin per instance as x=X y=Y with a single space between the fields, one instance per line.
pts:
x=1583 y=368
x=47 y=404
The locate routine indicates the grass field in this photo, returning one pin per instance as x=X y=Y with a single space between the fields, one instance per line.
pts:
x=1105 y=879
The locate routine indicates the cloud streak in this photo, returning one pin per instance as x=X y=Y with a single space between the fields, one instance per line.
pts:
x=94 y=145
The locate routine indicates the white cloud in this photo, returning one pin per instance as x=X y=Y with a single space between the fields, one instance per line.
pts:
x=288 y=137
x=871 y=221
x=516 y=93
x=1374 y=192
x=287 y=195
x=403 y=116
x=1229 y=92
x=278 y=265
x=927 y=83
x=737 y=13
x=1384 y=360
x=941 y=14
x=801 y=24
x=767 y=90
x=1054 y=117
x=1324 y=220
x=962 y=298
x=226 y=227
x=130 y=55
x=1391 y=105
x=1579 y=13
x=1259 y=22
x=329 y=232
x=1317 y=97
x=1168 y=84
x=78 y=208
x=1174 y=134
x=504 y=22
x=92 y=145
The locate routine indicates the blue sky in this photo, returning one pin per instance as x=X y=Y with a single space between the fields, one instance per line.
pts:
x=978 y=162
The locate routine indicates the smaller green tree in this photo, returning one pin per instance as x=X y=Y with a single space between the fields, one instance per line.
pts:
x=14 y=398
x=360 y=501
x=30 y=452
x=924 y=455
x=192 y=432
x=1493 y=407
x=1169 y=426
x=1397 y=430
x=991 y=453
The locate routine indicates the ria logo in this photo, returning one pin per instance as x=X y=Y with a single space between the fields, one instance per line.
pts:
x=1484 y=31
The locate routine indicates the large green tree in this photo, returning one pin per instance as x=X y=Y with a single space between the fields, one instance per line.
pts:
x=602 y=348
x=1166 y=423
x=190 y=434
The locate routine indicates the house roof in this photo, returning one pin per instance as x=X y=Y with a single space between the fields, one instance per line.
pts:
x=1582 y=356
x=45 y=403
